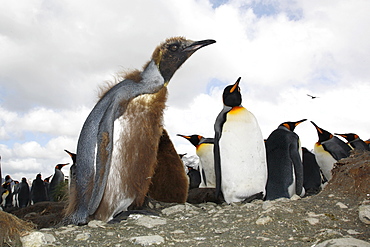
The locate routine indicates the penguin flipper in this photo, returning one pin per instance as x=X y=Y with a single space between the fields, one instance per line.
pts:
x=337 y=148
x=217 y=164
x=104 y=150
x=220 y=120
x=298 y=166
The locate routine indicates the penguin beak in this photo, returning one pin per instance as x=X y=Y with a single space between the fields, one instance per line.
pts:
x=342 y=135
x=187 y=137
x=198 y=44
x=300 y=121
x=317 y=127
x=236 y=85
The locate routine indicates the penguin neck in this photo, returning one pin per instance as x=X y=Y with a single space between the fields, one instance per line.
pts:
x=282 y=127
x=152 y=77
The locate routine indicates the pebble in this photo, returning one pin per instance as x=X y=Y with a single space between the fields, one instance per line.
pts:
x=150 y=222
x=364 y=213
x=263 y=220
x=147 y=240
x=312 y=221
x=96 y=224
x=83 y=236
x=344 y=242
x=174 y=209
x=341 y=205
x=36 y=239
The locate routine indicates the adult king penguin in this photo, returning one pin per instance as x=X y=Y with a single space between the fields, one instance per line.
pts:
x=284 y=162
x=328 y=150
x=58 y=177
x=118 y=143
x=204 y=150
x=354 y=141
x=239 y=150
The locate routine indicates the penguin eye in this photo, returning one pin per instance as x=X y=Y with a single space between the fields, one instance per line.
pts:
x=173 y=47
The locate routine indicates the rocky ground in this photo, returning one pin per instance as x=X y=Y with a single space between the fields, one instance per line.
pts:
x=310 y=221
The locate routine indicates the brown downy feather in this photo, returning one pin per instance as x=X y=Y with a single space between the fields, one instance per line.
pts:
x=138 y=151
x=170 y=182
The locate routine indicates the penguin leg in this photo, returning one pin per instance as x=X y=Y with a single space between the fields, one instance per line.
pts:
x=258 y=196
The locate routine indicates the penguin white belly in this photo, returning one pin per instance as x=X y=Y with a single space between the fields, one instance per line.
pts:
x=242 y=155
x=205 y=154
x=324 y=160
x=115 y=191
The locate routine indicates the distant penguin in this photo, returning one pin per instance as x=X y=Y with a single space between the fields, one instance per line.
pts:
x=312 y=179
x=6 y=195
x=72 y=172
x=38 y=190
x=23 y=194
x=58 y=178
x=354 y=141
x=9 y=185
x=118 y=144
x=204 y=150
x=47 y=186
x=239 y=150
x=15 y=190
x=367 y=142
x=169 y=181
x=284 y=162
x=194 y=177
x=328 y=150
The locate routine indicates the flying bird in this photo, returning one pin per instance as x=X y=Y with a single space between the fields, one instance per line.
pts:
x=312 y=97
x=117 y=147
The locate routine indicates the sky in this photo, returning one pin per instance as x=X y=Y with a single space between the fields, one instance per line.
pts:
x=56 y=54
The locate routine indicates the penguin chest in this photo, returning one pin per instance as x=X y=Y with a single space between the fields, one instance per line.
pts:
x=205 y=154
x=242 y=155
x=135 y=144
x=324 y=160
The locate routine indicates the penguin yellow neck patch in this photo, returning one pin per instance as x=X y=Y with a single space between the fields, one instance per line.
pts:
x=236 y=109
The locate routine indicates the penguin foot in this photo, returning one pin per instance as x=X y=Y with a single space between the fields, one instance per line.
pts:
x=202 y=195
x=258 y=196
x=125 y=214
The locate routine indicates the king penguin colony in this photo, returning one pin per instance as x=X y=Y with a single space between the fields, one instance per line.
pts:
x=239 y=150
x=204 y=150
x=284 y=162
x=328 y=150
x=117 y=147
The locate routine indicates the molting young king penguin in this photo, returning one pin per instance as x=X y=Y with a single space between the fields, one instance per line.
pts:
x=354 y=141
x=284 y=162
x=328 y=150
x=204 y=150
x=117 y=147
x=239 y=150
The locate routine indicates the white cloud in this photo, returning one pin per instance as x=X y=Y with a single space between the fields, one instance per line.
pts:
x=54 y=55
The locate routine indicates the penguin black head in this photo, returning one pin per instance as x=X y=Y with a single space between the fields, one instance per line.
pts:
x=24 y=180
x=48 y=179
x=60 y=166
x=194 y=139
x=323 y=134
x=73 y=156
x=349 y=136
x=172 y=53
x=291 y=125
x=231 y=96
